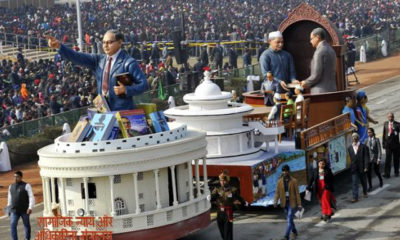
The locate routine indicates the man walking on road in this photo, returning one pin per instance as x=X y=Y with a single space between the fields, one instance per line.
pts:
x=359 y=155
x=225 y=197
x=287 y=191
x=390 y=142
x=20 y=204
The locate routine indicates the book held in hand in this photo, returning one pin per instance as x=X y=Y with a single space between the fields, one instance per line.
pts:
x=100 y=103
x=159 y=121
x=102 y=126
x=124 y=78
x=82 y=127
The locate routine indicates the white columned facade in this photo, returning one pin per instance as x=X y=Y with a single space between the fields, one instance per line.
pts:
x=174 y=185
x=197 y=177
x=53 y=192
x=64 y=198
x=48 y=198
x=156 y=171
x=219 y=145
x=190 y=180
x=205 y=177
x=86 y=186
x=136 y=191
x=240 y=143
x=112 y=195
x=45 y=193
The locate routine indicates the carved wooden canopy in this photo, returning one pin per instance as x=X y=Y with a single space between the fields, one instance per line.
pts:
x=305 y=12
x=296 y=29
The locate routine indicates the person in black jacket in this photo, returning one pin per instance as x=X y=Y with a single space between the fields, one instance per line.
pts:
x=232 y=54
x=217 y=56
x=322 y=182
x=20 y=204
x=204 y=55
x=391 y=143
x=359 y=156
x=375 y=156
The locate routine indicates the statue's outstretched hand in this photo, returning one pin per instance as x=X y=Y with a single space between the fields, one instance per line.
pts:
x=53 y=42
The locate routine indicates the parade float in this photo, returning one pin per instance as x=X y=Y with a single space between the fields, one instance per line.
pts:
x=248 y=150
x=156 y=185
x=144 y=184
x=242 y=142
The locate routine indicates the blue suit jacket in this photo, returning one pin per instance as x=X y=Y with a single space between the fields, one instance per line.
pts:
x=123 y=63
x=280 y=64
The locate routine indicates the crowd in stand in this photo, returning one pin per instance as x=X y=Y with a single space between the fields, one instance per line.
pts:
x=35 y=89
x=30 y=90
x=153 y=20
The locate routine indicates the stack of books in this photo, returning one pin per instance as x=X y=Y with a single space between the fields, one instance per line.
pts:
x=102 y=124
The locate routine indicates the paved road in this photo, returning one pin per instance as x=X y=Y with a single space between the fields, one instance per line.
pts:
x=374 y=218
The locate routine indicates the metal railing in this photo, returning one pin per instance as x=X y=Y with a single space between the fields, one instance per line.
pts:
x=373 y=43
x=32 y=127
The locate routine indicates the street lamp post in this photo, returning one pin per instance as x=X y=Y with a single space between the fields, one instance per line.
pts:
x=78 y=13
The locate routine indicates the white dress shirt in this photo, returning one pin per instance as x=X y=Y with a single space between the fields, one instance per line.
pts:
x=355 y=147
x=114 y=58
x=28 y=188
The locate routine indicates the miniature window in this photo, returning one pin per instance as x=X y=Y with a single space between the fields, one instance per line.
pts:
x=117 y=179
x=127 y=223
x=150 y=220
x=142 y=207
x=140 y=176
x=91 y=190
x=120 y=206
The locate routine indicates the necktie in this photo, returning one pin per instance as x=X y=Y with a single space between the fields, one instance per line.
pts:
x=106 y=76
x=390 y=128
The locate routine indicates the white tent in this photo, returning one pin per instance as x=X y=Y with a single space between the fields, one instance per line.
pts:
x=384 y=48
x=363 y=54
x=5 y=164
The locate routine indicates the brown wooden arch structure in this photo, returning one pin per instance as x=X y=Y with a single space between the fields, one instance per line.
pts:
x=296 y=29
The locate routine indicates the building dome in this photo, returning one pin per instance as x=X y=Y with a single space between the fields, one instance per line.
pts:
x=207 y=88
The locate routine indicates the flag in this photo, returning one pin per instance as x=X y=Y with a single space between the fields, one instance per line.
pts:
x=161 y=93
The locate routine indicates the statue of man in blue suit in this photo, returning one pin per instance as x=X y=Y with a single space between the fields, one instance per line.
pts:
x=106 y=66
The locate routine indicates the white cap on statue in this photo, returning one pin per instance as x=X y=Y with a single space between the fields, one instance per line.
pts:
x=273 y=35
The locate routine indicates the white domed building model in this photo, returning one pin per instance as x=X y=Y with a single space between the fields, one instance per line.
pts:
x=209 y=110
x=145 y=183
x=231 y=143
